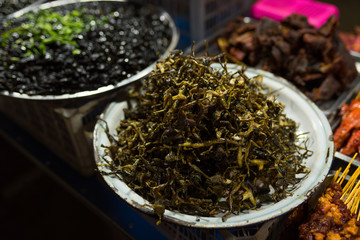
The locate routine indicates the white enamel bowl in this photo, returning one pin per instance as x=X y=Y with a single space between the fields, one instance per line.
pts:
x=297 y=107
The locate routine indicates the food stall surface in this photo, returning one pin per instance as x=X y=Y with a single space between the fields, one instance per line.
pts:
x=42 y=198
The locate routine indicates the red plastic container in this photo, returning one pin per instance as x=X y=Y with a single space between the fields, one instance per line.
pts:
x=317 y=12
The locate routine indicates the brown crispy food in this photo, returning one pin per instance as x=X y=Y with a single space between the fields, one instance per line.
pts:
x=332 y=219
x=315 y=60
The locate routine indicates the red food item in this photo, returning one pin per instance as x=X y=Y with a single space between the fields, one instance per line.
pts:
x=353 y=144
x=331 y=218
x=350 y=121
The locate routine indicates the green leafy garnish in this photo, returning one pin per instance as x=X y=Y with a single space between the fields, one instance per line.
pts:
x=46 y=27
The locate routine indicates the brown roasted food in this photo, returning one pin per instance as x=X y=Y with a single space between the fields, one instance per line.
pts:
x=315 y=60
x=332 y=219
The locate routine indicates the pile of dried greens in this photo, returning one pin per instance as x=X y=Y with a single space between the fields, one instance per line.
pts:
x=315 y=60
x=206 y=142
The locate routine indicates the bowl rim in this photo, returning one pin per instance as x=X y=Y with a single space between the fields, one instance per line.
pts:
x=104 y=89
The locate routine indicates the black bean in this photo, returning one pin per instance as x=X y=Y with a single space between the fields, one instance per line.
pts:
x=129 y=42
x=10 y=6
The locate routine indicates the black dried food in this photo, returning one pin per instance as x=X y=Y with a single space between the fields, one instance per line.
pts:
x=116 y=42
x=296 y=51
x=8 y=7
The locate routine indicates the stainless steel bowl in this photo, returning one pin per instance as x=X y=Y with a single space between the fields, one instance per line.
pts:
x=105 y=89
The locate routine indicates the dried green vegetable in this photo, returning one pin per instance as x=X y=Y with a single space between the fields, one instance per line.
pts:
x=205 y=142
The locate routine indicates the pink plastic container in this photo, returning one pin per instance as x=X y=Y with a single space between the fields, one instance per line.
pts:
x=317 y=12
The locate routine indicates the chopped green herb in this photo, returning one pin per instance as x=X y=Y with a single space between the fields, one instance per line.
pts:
x=50 y=27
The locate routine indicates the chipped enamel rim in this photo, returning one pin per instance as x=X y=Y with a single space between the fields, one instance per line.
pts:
x=104 y=89
x=298 y=107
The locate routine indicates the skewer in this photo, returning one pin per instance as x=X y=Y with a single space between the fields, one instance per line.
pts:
x=343 y=175
x=351 y=191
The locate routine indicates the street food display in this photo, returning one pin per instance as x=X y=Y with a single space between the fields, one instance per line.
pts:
x=197 y=142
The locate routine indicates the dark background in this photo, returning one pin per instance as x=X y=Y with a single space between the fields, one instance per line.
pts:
x=349 y=13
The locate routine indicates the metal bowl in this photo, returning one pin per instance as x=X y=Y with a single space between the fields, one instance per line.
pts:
x=105 y=89
x=297 y=107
